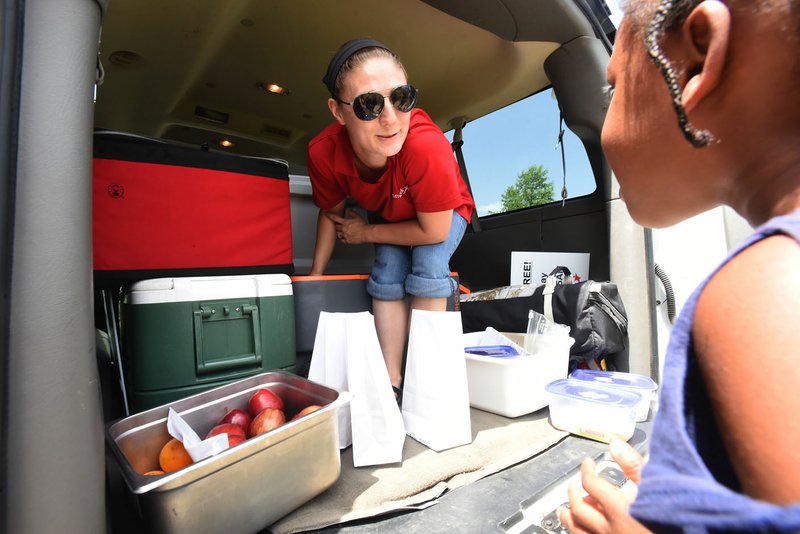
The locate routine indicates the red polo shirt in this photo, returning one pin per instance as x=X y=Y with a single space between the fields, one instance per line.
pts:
x=423 y=176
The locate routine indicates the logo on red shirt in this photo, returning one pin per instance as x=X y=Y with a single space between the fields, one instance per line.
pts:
x=400 y=193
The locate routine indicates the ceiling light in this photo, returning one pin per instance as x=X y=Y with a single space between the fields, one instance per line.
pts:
x=227 y=143
x=273 y=88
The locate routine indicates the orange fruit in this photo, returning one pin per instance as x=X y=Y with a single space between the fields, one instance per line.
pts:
x=155 y=472
x=306 y=410
x=173 y=456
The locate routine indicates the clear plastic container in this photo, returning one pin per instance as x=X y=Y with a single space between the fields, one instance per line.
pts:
x=643 y=385
x=592 y=411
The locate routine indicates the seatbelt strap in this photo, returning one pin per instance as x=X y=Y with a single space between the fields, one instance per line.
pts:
x=547 y=294
x=550 y=287
x=457 y=143
x=560 y=143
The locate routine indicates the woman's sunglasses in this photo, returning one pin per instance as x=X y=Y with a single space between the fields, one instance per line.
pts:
x=369 y=106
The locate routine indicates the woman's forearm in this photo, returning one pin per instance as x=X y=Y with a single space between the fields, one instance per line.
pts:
x=426 y=229
x=325 y=242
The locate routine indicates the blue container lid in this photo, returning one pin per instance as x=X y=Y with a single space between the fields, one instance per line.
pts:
x=495 y=351
x=614 y=378
x=591 y=392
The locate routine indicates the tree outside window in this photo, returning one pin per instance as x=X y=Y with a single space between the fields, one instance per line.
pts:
x=532 y=188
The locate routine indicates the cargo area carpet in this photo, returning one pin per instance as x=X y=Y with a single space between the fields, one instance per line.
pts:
x=424 y=475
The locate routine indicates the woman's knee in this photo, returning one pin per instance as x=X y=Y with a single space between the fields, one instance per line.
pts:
x=421 y=286
x=389 y=272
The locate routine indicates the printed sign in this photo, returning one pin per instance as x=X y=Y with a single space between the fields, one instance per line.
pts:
x=533 y=267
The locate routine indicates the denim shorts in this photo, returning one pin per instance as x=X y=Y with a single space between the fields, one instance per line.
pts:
x=421 y=271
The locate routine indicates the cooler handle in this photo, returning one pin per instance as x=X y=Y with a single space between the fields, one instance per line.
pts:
x=218 y=366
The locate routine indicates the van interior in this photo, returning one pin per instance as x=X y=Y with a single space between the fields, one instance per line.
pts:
x=520 y=83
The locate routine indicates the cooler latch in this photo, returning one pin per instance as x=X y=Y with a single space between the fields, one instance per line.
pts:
x=227 y=337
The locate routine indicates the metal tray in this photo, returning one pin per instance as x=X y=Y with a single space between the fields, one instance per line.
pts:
x=246 y=487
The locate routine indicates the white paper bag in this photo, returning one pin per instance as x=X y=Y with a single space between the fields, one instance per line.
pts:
x=329 y=365
x=377 y=426
x=435 y=394
x=347 y=357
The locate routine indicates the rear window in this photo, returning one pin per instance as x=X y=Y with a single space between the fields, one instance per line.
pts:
x=513 y=159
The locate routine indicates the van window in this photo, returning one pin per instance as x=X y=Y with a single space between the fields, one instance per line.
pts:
x=513 y=160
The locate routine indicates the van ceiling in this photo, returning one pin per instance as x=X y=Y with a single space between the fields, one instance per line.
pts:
x=194 y=70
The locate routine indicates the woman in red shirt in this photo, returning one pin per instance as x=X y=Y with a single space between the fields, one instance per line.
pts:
x=396 y=164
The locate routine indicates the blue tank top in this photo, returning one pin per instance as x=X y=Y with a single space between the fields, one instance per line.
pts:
x=688 y=484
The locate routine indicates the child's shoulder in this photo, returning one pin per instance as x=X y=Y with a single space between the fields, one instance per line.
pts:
x=774 y=260
x=754 y=299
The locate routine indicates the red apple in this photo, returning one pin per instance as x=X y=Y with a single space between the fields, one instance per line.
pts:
x=306 y=410
x=237 y=416
x=266 y=420
x=234 y=432
x=235 y=440
x=261 y=399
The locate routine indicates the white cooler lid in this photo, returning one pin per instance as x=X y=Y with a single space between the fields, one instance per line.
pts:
x=190 y=289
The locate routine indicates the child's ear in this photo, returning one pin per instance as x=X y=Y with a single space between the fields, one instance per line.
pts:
x=706 y=34
x=333 y=105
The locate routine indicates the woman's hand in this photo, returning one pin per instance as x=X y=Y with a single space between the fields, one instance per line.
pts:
x=605 y=508
x=425 y=229
x=352 y=230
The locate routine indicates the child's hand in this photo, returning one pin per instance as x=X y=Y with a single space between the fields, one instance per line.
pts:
x=605 y=508
x=628 y=459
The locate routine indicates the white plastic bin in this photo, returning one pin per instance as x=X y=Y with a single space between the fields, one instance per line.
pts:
x=513 y=386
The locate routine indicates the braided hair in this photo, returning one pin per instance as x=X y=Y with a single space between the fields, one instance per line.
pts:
x=667 y=14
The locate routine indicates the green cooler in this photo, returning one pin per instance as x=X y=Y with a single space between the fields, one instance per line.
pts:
x=187 y=335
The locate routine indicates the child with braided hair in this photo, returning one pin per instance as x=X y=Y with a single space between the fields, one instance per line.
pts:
x=723 y=448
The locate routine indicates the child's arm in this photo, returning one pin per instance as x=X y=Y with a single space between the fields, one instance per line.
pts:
x=747 y=339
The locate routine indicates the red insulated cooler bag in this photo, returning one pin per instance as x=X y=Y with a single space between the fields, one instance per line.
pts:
x=163 y=209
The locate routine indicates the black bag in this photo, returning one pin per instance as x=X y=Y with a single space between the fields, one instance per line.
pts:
x=593 y=311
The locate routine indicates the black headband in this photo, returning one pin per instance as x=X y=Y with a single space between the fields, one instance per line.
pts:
x=344 y=53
